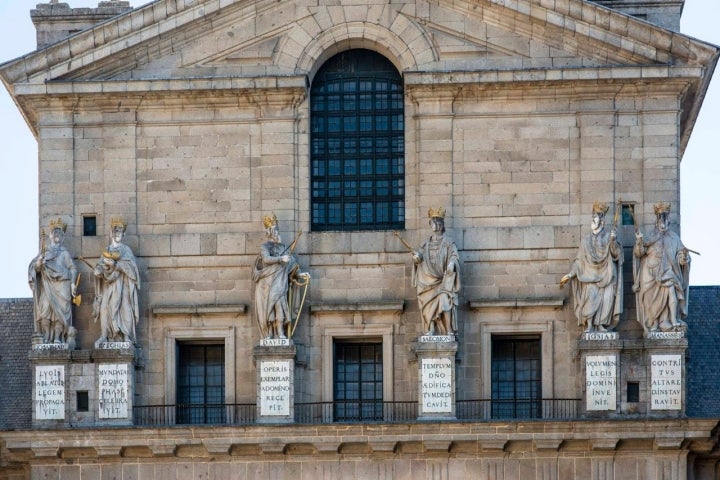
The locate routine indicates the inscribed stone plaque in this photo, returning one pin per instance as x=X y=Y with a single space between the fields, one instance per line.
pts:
x=666 y=382
x=50 y=392
x=600 y=382
x=437 y=387
x=113 y=380
x=275 y=387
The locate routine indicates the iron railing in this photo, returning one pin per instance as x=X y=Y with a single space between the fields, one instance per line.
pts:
x=357 y=411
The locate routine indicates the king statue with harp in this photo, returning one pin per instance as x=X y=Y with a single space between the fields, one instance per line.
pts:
x=280 y=286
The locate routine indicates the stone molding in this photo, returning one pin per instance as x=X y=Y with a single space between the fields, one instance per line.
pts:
x=691 y=435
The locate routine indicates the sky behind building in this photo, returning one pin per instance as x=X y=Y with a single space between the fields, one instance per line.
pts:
x=700 y=167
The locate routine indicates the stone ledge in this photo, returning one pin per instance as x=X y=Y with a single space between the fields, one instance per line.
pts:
x=419 y=79
x=340 y=439
x=391 y=307
x=516 y=303
x=175 y=310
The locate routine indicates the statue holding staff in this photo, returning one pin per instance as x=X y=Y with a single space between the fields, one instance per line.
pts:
x=278 y=284
x=436 y=276
x=596 y=275
x=661 y=268
x=52 y=277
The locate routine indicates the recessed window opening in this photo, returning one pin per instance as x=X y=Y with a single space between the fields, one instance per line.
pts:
x=357 y=144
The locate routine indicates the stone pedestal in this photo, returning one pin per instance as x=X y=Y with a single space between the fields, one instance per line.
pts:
x=436 y=377
x=665 y=360
x=275 y=365
x=600 y=371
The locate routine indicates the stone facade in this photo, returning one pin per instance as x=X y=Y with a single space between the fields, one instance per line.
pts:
x=191 y=119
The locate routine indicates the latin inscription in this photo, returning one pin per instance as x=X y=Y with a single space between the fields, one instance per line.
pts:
x=437 y=385
x=665 y=382
x=600 y=382
x=50 y=392
x=113 y=380
x=275 y=387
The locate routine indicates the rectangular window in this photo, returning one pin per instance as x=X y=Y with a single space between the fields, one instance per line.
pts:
x=633 y=392
x=358 y=388
x=516 y=377
x=628 y=213
x=83 y=403
x=200 y=383
x=89 y=226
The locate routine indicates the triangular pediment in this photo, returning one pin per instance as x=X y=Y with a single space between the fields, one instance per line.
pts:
x=241 y=38
x=237 y=41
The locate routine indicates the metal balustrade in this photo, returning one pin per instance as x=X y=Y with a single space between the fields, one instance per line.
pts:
x=357 y=411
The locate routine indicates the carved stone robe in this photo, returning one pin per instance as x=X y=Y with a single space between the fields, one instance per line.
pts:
x=116 y=296
x=272 y=278
x=597 y=284
x=658 y=274
x=437 y=289
x=52 y=291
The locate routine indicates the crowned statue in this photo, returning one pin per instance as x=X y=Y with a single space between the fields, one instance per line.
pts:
x=596 y=275
x=53 y=279
x=661 y=268
x=436 y=276
x=280 y=287
x=117 y=282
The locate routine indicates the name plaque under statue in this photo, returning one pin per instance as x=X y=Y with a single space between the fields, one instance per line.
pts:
x=600 y=336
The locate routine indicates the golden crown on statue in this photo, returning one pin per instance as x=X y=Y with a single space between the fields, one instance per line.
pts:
x=269 y=220
x=662 y=207
x=436 y=212
x=58 y=224
x=118 y=222
x=600 y=207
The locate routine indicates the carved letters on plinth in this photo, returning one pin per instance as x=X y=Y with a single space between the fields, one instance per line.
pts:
x=666 y=382
x=601 y=373
x=49 y=392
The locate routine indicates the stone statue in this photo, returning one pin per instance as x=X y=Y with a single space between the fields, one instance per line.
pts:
x=436 y=275
x=53 y=280
x=117 y=282
x=278 y=283
x=596 y=276
x=661 y=267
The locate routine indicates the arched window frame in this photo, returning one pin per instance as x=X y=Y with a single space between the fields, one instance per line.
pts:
x=357 y=144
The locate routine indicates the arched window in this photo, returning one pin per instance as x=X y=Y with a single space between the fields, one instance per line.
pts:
x=357 y=144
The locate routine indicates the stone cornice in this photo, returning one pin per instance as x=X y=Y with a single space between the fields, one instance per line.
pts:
x=517 y=303
x=390 y=307
x=185 y=310
x=286 y=440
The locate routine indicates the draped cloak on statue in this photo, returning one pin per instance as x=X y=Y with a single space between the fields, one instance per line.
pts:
x=116 y=296
x=437 y=288
x=658 y=274
x=272 y=277
x=597 y=284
